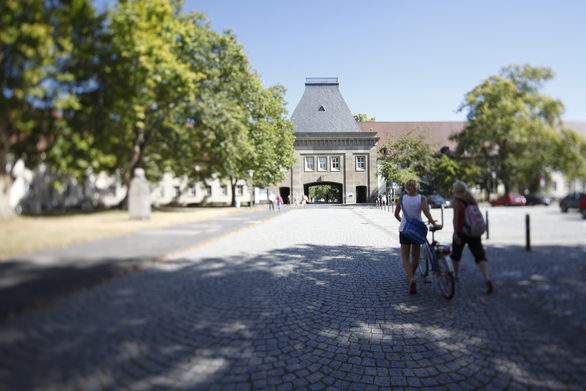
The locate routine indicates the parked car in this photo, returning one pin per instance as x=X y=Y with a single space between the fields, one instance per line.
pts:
x=437 y=201
x=570 y=201
x=582 y=206
x=510 y=199
x=537 y=199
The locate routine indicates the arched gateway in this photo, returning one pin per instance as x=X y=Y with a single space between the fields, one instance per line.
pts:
x=330 y=147
x=324 y=192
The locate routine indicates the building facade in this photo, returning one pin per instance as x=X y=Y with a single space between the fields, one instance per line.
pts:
x=330 y=148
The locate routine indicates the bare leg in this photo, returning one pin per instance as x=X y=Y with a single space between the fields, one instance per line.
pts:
x=405 y=259
x=483 y=266
x=415 y=250
x=456 y=267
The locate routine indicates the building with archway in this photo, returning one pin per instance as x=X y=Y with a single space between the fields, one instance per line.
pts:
x=330 y=147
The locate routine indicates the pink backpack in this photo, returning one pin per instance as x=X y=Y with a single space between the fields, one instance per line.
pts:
x=474 y=224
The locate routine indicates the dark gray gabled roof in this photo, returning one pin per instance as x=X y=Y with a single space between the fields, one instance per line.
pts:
x=323 y=109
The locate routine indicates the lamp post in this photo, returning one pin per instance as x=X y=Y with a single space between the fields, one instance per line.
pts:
x=251 y=174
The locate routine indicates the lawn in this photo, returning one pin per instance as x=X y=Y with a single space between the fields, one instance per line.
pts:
x=23 y=234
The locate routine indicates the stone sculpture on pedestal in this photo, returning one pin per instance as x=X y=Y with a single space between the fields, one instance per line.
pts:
x=139 y=197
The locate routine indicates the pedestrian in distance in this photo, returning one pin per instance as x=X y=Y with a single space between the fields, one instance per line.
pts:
x=464 y=199
x=271 y=199
x=304 y=200
x=279 y=202
x=414 y=203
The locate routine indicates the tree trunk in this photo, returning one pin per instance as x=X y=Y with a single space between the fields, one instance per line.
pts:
x=233 y=188
x=134 y=163
x=5 y=185
x=5 y=176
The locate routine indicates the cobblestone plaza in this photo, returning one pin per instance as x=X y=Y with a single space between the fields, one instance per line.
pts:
x=316 y=298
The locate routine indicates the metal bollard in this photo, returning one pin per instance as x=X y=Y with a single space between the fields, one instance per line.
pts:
x=487 y=225
x=527 y=233
x=442 y=207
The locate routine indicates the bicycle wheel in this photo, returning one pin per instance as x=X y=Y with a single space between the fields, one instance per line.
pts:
x=445 y=278
x=426 y=261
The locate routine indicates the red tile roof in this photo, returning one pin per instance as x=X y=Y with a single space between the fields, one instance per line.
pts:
x=439 y=132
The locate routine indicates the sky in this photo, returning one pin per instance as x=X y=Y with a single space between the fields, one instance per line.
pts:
x=408 y=60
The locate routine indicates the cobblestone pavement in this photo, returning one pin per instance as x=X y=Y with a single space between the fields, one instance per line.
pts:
x=314 y=299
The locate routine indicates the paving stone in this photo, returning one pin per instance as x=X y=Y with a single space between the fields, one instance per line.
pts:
x=307 y=301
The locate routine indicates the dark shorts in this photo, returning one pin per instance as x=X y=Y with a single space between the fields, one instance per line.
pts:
x=474 y=244
x=405 y=240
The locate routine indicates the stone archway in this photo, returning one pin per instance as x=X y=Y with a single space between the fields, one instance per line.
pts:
x=324 y=192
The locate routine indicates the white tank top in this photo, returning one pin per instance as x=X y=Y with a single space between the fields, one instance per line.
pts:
x=412 y=205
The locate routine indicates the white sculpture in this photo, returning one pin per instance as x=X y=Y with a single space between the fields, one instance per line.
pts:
x=139 y=197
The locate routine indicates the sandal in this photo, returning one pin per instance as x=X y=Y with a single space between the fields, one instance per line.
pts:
x=489 y=287
x=412 y=288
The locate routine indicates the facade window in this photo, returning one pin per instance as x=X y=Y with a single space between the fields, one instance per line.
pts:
x=239 y=190
x=322 y=163
x=335 y=163
x=191 y=191
x=177 y=191
x=224 y=190
x=208 y=190
x=360 y=163
x=309 y=163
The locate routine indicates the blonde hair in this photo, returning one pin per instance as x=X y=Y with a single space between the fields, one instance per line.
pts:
x=461 y=191
x=412 y=186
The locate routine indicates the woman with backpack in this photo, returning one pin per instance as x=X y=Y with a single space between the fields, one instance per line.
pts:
x=411 y=204
x=466 y=232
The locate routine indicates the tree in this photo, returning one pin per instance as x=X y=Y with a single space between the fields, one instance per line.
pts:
x=328 y=193
x=361 y=117
x=234 y=125
x=570 y=155
x=153 y=45
x=76 y=151
x=444 y=172
x=271 y=135
x=407 y=157
x=143 y=85
x=35 y=49
x=511 y=127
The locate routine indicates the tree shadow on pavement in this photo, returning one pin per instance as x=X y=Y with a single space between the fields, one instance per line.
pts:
x=300 y=317
x=25 y=285
x=549 y=282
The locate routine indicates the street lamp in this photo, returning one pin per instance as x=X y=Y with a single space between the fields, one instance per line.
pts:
x=251 y=174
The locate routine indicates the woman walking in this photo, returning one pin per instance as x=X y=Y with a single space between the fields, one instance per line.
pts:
x=463 y=198
x=414 y=204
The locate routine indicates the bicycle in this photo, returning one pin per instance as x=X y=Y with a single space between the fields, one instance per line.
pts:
x=436 y=258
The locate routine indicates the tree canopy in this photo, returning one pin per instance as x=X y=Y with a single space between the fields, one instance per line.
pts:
x=514 y=129
x=36 y=41
x=141 y=85
x=408 y=156
x=361 y=117
x=411 y=156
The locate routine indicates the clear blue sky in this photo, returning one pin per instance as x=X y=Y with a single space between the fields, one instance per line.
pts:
x=408 y=60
